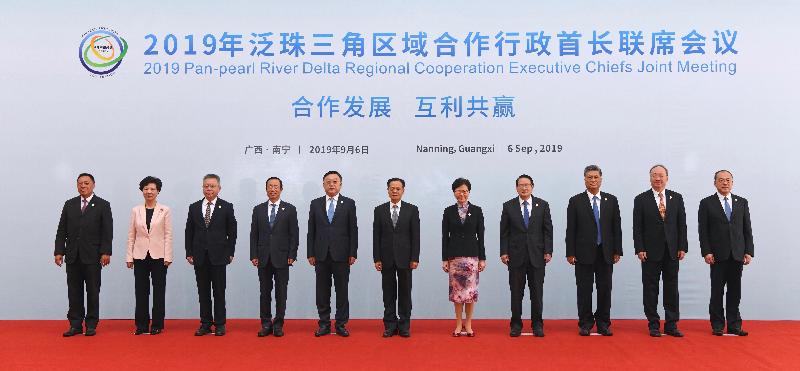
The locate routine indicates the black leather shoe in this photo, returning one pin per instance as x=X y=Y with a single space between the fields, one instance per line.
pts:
x=538 y=332
x=674 y=333
x=654 y=332
x=387 y=333
x=90 y=331
x=515 y=332
x=265 y=331
x=219 y=330
x=155 y=331
x=583 y=332
x=203 y=330
x=605 y=332
x=72 y=332
x=404 y=333
x=341 y=331
x=139 y=331
x=737 y=332
x=716 y=332
x=322 y=331
x=277 y=331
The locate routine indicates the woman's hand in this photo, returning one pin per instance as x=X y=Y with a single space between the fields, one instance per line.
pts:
x=481 y=265
x=446 y=266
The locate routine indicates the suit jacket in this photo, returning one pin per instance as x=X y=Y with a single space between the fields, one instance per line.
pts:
x=652 y=234
x=463 y=239
x=516 y=241
x=87 y=235
x=581 y=239
x=219 y=238
x=339 y=237
x=157 y=241
x=278 y=243
x=720 y=237
x=396 y=245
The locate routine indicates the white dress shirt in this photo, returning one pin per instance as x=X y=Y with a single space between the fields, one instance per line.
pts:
x=205 y=204
x=591 y=201
x=328 y=203
x=522 y=207
x=663 y=193
x=391 y=208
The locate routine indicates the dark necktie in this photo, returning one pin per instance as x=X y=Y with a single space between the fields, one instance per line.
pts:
x=728 y=210
x=83 y=207
x=526 y=216
x=208 y=214
x=596 y=211
x=394 y=216
x=272 y=215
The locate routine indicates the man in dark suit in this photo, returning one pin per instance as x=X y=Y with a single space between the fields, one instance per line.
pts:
x=274 y=237
x=210 y=243
x=594 y=245
x=726 y=243
x=659 y=238
x=526 y=246
x=83 y=239
x=332 y=245
x=395 y=251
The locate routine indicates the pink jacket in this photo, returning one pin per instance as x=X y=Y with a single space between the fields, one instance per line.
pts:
x=158 y=241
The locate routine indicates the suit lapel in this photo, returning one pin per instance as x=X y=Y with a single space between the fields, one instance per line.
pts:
x=734 y=206
x=336 y=211
x=603 y=209
x=141 y=215
x=720 y=209
x=518 y=216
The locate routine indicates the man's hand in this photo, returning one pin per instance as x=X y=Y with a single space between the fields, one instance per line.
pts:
x=709 y=259
x=642 y=256
x=290 y=261
x=414 y=265
x=572 y=260
x=230 y=259
x=747 y=259
x=59 y=259
x=190 y=260
x=616 y=258
x=504 y=259
x=105 y=259
x=352 y=260
x=254 y=261
x=378 y=266
x=681 y=254
x=313 y=261
x=547 y=258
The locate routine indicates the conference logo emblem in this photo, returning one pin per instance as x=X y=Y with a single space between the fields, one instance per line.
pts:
x=101 y=51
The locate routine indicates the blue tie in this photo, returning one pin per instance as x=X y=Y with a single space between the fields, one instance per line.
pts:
x=596 y=212
x=272 y=215
x=727 y=209
x=330 y=211
x=526 y=216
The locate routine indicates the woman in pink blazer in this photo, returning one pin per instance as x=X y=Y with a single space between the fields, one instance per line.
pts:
x=149 y=254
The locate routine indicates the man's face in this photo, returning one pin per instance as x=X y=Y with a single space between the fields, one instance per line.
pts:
x=211 y=188
x=396 y=191
x=658 y=178
x=332 y=184
x=85 y=186
x=724 y=183
x=593 y=179
x=150 y=192
x=274 y=189
x=524 y=188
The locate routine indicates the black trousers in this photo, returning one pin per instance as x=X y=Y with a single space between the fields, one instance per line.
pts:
x=266 y=275
x=517 y=277
x=340 y=271
x=143 y=270
x=210 y=276
x=725 y=272
x=396 y=284
x=585 y=276
x=667 y=270
x=79 y=274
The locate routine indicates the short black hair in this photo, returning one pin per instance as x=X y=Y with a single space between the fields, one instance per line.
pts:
x=526 y=176
x=150 y=180
x=274 y=177
x=661 y=166
x=462 y=181
x=212 y=176
x=332 y=172
x=403 y=182
x=592 y=168
x=85 y=174
x=715 y=174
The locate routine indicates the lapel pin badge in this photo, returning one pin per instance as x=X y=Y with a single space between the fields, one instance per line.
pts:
x=537 y=205
x=469 y=214
x=606 y=199
x=219 y=207
x=92 y=205
x=734 y=200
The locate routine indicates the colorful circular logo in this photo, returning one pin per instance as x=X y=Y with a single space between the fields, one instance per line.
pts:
x=101 y=51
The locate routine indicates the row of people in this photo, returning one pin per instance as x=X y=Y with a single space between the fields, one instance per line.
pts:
x=593 y=245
